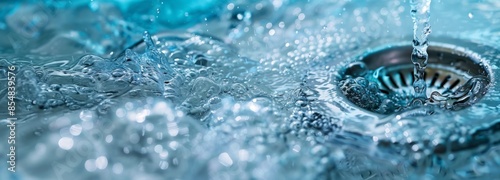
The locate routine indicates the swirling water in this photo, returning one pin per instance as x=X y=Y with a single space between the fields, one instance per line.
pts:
x=248 y=94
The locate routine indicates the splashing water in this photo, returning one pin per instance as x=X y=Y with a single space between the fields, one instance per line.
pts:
x=420 y=13
x=464 y=96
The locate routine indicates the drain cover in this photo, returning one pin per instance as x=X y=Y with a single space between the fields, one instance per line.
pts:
x=451 y=70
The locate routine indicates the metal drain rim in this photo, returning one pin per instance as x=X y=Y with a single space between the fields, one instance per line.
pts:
x=481 y=131
x=466 y=62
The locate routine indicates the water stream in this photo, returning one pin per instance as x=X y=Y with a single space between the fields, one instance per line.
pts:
x=420 y=13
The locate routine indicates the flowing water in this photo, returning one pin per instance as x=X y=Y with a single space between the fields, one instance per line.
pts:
x=243 y=90
x=420 y=13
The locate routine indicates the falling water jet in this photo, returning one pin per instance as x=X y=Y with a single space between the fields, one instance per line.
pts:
x=420 y=13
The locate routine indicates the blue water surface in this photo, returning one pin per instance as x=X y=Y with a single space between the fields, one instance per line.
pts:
x=208 y=89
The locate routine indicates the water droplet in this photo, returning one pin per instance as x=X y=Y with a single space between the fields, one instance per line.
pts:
x=66 y=143
x=225 y=159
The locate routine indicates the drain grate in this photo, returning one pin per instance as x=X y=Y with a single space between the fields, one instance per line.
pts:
x=449 y=71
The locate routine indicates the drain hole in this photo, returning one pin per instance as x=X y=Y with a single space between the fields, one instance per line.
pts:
x=448 y=73
x=391 y=78
x=445 y=80
x=402 y=78
x=434 y=79
x=454 y=84
x=384 y=91
x=384 y=86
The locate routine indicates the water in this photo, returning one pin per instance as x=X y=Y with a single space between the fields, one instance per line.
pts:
x=464 y=96
x=420 y=13
x=250 y=93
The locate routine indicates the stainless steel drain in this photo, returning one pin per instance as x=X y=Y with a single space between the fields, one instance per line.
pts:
x=449 y=71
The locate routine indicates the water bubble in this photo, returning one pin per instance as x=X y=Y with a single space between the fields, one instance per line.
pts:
x=101 y=162
x=118 y=168
x=66 y=143
x=225 y=159
x=90 y=165
x=75 y=130
x=362 y=92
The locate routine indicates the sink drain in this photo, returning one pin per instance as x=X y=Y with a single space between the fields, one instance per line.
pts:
x=454 y=76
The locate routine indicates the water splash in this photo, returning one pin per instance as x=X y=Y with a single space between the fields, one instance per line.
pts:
x=420 y=13
x=466 y=95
